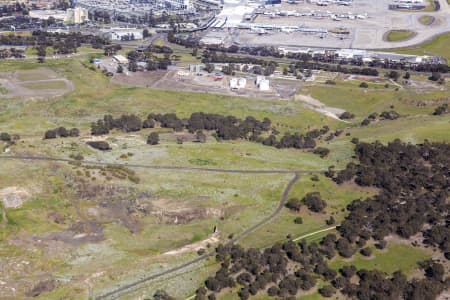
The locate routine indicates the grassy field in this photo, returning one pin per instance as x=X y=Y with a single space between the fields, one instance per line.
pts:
x=396 y=257
x=137 y=217
x=363 y=102
x=399 y=35
x=48 y=85
x=337 y=197
x=436 y=46
x=95 y=96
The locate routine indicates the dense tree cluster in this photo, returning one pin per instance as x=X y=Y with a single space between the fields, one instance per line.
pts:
x=285 y=269
x=225 y=128
x=385 y=115
x=413 y=182
x=152 y=62
x=11 y=53
x=62 y=43
x=13 y=9
x=61 y=132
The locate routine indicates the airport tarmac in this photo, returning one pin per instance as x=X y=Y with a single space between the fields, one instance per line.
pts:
x=364 y=32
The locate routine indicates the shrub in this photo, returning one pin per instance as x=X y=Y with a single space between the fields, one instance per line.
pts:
x=153 y=138
x=6 y=137
x=321 y=151
x=294 y=204
x=50 y=134
x=346 y=115
x=366 y=251
x=364 y=85
x=298 y=220
x=99 y=145
x=327 y=291
x=74 y=132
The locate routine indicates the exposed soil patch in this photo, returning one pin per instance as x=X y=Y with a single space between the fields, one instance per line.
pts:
x=213 y=239
x=182 y=80
x=14 y=197
x=373 y=79
x=174 y=212
x=42 y=287
x=318 y=106
x=34 y=84
x=79 y=233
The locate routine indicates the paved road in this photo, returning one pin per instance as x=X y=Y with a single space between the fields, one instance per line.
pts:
x=158 y=167
x=115 y=293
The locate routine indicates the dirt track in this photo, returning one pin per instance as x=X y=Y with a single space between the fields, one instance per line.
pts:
x=112 y=294
x=161 y=167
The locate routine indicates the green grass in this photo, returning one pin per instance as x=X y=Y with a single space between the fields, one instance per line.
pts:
x=426 y=20
x=336 y=196
x=95 y=96
x=399 y=35
x=396 y=257
x=363 y=102
x=48 y=85
x=3 y=90
x=436 y=46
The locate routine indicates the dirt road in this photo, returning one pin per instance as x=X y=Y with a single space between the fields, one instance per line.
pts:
x=115 y=293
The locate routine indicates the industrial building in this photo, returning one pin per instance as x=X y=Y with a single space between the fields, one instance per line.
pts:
x=77 y=15
x=195 y=68
x=120 y=59
x=46 y=14
x=237 y=83
x=262 y=83
x=124 y=34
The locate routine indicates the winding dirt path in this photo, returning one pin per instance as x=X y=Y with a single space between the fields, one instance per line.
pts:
x=114 y=293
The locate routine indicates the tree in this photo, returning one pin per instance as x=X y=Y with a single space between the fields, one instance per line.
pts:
x=435 y=76
x=162 y=295
x=4 y=136
x=327 y=291
x=407 y=76
x=394 y=75
x=298 y=220
x=366 y=251
x=364 y=85
x=153 y=138
x=294 y=204
x=146 y=33
x=50 y=134
x=314 y=202
x=99 y=145
x=74 y=132
x=209 y=68
x=119 y=69
x=132 y=66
